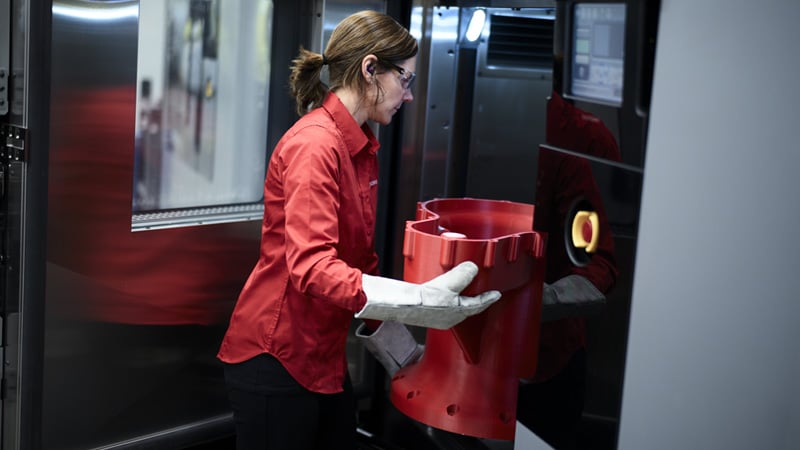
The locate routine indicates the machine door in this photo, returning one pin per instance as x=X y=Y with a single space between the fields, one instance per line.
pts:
x=16 y=116
x=5 y=50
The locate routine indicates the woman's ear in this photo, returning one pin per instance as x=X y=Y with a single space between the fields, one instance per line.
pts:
x=368 y=65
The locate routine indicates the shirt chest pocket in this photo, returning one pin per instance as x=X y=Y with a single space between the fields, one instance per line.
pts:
x=359 y=193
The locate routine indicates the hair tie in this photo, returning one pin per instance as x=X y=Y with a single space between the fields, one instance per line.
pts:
x=324 y=60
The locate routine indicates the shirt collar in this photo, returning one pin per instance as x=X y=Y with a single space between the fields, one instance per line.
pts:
x=355 y=138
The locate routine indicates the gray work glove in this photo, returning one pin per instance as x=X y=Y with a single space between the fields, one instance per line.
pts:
x=435 y=304
x=392 y=345
x=571 y=296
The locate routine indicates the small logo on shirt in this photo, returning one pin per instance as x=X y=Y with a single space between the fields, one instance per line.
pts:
x=373 y=183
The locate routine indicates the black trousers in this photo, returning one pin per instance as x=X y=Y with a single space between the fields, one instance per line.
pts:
x=553 y=409
x=272 y=411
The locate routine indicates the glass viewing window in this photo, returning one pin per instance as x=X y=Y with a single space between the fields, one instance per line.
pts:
x=202 y=96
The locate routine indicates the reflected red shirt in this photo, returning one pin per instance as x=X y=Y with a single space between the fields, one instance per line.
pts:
x=320 y=197
x=561 y=180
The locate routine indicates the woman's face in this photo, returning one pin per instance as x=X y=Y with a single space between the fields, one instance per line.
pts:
x=392 y=88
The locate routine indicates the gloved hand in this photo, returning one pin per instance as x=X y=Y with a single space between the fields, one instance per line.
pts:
x=571 y=296
x=391 y=344
x=435 y=304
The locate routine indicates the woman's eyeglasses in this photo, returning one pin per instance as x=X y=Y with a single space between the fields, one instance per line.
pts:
x=406 y=78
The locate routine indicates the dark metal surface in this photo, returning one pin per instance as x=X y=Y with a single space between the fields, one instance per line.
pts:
x=132 y=320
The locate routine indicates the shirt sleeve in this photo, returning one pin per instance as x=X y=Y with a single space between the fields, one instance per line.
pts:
x=311 y=188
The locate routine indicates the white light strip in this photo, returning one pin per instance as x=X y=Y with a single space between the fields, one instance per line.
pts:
x=102 y=13
x=475 y=27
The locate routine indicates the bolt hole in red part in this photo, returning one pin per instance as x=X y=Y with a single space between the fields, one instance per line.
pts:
x=471 y=371
x=452 y=410
x=412 y=394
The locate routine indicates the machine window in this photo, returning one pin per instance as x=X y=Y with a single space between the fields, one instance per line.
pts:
x=202 y=96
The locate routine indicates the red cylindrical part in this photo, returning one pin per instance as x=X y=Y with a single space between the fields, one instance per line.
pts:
x=466 y=381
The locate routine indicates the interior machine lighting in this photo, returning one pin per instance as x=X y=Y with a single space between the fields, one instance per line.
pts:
x=475 y=27
x=101 y=13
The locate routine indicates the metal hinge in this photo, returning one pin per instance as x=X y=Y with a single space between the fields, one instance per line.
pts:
x=13 y=142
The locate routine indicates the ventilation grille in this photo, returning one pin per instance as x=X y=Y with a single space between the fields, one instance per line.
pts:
x=524 y=42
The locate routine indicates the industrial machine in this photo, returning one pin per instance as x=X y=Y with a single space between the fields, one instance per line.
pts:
x=135 y=135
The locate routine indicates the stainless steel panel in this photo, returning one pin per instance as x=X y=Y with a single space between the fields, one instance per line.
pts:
x=504 y=101
x=330 y=12
x=438 y=100
x=508 y=121
x=508 y=124
x=133 y=320
x=420 y=169
x=13 y=307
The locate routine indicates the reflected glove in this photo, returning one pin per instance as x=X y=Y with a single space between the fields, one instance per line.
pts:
x=391 y=344
x=435 y=304
x=571 y=296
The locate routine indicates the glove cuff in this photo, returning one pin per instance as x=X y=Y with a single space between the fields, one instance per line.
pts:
x=392 y=345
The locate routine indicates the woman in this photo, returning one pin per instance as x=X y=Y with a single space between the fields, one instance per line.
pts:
x=285 y=345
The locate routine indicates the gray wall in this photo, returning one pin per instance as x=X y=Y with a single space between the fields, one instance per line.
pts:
x=713 y=361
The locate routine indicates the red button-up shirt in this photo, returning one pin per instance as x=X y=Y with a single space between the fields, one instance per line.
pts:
x=317 y=238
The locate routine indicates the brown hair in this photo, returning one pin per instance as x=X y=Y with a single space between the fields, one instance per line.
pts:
x=358 y=35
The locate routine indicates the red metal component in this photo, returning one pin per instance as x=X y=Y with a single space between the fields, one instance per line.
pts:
x=466 y=381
